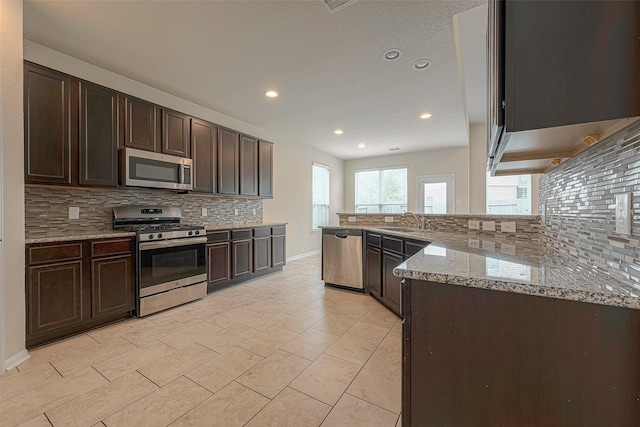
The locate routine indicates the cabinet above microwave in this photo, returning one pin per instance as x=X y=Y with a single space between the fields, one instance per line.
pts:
x=559 y=71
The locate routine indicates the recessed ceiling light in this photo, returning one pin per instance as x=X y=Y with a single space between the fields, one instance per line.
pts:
x=361 y=145
x=338 y=132
x=392 y=54
x=271 y=94
x=425 y=115
x=421 y=64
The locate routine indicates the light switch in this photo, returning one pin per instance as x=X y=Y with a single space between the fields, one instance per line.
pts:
x=204 y=212
x=235 y=212
x=474 y=225
x=388 y=219
x=623 y=213
x=254 y=212
x=74 y=212
x=351 y=218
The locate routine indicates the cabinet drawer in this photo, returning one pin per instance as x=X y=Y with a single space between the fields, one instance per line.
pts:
x=262 y=232
x=241 y=234
x=392 y=244
x=373 y=239
x=412 y=248
x=217 y=236
x=51 y=253
x=279 y=230
x=111 y=247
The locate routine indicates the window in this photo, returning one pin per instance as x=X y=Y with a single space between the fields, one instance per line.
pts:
x=381 y=191
x=320 y=195
x=509 y=195
x=435 y=194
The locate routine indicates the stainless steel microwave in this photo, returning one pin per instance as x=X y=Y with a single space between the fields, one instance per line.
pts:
x=141 y=168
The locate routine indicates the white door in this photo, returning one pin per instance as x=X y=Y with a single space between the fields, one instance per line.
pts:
x=435 y=194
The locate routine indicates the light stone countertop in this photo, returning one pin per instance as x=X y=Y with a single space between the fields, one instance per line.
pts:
x=108 y=233
x=510 y=265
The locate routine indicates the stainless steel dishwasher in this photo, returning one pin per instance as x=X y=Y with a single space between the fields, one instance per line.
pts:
x=342 y=258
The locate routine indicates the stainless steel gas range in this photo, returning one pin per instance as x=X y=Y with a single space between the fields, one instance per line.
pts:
x=171 y=256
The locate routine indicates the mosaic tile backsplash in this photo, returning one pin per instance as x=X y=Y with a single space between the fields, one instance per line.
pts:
x=579 y=196
x=47 y=208
x=527 y=226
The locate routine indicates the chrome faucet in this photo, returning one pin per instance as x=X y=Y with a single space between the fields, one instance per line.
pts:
x=422 y=223
x=419 y=223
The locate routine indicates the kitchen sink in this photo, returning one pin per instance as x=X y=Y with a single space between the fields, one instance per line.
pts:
x=400 y=229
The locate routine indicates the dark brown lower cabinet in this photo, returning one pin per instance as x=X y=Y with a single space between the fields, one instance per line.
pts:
x=75 y=286
x=113 y=285
x=54 y=297
x=218 y=262
x=479 y=357
x=241 y=256
x=261 y=254
x=373 y=271
x=391 y=287
x=237 y=255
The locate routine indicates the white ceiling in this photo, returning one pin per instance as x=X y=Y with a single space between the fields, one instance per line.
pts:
x=328 y=68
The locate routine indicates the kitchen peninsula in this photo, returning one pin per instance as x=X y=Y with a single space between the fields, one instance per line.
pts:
x=501 y=330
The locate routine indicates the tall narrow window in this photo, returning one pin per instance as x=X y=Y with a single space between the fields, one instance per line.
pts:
x=320 y=195
x=509 y=195
x=381 y=190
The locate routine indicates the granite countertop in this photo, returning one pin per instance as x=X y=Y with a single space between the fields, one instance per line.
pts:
x=510 y=265
x=107 y=233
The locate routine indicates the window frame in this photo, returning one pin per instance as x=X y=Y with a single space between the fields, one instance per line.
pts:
x=316 y=227
x=380 y=204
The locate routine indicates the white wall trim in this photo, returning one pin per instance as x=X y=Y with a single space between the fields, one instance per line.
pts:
x=303 y=255
x=16 y=359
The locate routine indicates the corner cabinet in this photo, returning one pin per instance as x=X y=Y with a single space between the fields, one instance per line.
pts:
x=383 y=254
x=75 y=286
x=237 y=255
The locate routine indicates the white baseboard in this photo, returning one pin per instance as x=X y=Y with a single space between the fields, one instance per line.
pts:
x=16 y=359
x=304 y=255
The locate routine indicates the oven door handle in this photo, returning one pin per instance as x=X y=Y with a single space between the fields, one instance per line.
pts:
x=172 y=243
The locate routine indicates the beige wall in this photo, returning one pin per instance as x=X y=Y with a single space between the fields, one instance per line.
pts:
x=12 y=307
x=436 y=162
x=477 y=169
x=292 y=194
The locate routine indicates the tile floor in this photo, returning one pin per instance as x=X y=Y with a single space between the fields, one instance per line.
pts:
x=281 y=350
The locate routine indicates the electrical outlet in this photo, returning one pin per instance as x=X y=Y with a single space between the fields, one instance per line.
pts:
x=74 y=212
x=474 y=225
x=508 y=227
x=473 y=243
x=204 y=212
x=543 y=213
x=351 y=219
x=489 y=225
x=235 y=212
x=254 y=212
x=623 y=213
x=388 y=219
x=458 y=201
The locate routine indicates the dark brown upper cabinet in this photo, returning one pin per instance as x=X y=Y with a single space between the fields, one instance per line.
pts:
x=248 y=166
x=228 y=161
x=48 y=126
x=204 y=146
x=265 y=169
x=98 y=149
x=175 y=133
x=141 y=124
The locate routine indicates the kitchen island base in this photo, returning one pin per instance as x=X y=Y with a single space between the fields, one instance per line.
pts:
x=479 y=357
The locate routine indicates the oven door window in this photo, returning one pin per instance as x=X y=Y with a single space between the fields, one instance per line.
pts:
x=166 y=264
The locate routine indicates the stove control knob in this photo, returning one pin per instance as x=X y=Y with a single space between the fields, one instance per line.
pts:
x=159 y=236
x=197 y=232
x=150 y=236
x=190 y=233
